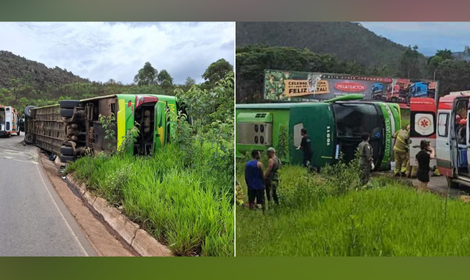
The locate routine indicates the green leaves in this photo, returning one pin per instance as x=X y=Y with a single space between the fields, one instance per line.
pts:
x=109 y=125
x=146 y=76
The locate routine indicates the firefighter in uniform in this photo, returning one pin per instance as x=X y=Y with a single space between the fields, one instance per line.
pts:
x=365 y=158
x=400 y=150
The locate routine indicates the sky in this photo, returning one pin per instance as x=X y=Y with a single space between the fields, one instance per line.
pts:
x=428 y=36
x=101 y=51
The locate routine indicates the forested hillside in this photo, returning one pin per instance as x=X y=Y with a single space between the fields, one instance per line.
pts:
x=25 y=82
x=14 y=67
x=344 y=40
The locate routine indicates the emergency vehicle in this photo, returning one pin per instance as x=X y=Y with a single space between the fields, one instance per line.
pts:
x=9 y=121
x=441 y=125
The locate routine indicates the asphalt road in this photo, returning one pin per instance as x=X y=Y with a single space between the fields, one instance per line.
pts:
x=33 y=219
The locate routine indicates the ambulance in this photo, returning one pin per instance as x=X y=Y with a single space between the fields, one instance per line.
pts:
x=445 y=126
x=9 y=121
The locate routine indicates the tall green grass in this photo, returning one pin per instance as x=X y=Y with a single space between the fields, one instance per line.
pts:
x=330 y=214
x=189 y=208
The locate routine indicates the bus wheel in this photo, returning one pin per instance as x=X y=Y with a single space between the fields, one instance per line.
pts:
x=27 y=111
x=69 y=104
x=66 y=151
x=28 y=138
x=18 y=133
x=66 y=113
x=394 y=99
x=451 y=184
x=66 y=159
x=9 y=135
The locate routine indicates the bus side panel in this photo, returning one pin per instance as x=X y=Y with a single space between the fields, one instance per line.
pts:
x=160 y=125
x=319 y=122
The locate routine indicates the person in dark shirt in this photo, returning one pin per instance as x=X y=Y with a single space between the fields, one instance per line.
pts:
x=306 y=147
x=254 y=178
x=424 y=157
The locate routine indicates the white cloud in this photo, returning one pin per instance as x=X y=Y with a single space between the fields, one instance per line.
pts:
x=101 y=51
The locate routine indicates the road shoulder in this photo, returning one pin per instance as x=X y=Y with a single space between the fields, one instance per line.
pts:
x=104 y=240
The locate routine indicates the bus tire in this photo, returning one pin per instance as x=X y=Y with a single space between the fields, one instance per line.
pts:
x=18 y=133
x=28 y=138
x=451 y=184
x=66 y=159
x=394 y=99
x=9 y=135
x=69 y=104
x=27 y=111
x=67 y=151
x=66 y=113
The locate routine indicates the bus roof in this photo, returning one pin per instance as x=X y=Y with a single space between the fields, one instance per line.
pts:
x=159 y=96
x=280 y=105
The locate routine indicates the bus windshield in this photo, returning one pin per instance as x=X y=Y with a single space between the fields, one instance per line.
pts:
x=352 y=120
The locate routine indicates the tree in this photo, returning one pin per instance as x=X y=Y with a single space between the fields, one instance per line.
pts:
x=189 y=82
x=434 y=64
x=217 y=71
x=147 y=75
x=453 y=75
x=410 y=63
x=445 y=54
x=164 y=78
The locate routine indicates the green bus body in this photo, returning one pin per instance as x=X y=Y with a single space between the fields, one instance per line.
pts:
x=320 y=119
x=76 y=124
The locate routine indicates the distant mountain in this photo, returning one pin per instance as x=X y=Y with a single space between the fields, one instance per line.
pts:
x=346 y=40
x=31 y=72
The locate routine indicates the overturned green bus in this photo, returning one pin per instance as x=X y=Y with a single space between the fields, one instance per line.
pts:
x=72 y=127
x=334 y=127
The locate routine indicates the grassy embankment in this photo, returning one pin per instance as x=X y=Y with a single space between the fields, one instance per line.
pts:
x=328 y=214
x=190 y=208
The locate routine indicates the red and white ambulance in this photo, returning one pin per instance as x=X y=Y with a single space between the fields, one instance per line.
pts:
x=446 y=127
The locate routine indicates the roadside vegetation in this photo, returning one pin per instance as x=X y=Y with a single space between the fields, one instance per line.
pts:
x=330 y=214
x=183 y=194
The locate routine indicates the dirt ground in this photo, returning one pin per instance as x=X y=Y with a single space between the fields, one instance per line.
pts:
x=103 y=239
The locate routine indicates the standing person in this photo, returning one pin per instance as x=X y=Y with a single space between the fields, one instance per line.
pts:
x=271 y=176
x=400 y=150
x=424 y=157
x=306 y=147
x=254 y=178
x=365 y=153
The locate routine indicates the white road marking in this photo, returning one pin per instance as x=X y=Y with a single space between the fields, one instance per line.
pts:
x=73 y=233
